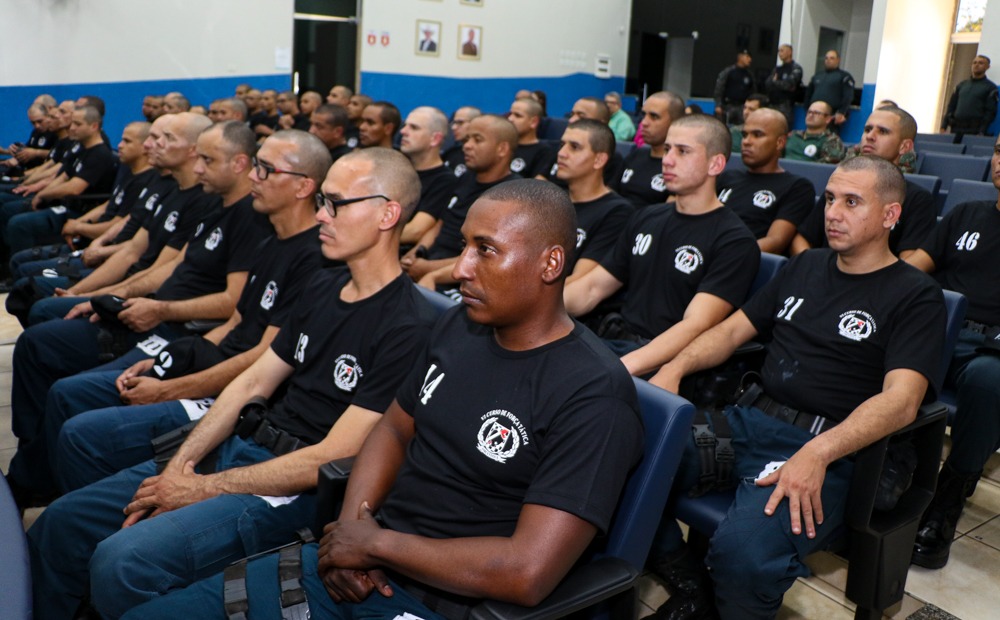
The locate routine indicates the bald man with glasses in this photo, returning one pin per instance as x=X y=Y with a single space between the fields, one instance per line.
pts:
x=349 y=342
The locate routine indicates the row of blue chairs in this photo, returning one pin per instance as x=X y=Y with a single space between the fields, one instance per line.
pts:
x=973 y=150
x=950 y=138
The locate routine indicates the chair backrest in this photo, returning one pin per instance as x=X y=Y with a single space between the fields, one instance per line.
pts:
x=735 y=162
x=553 y=129
x=939 y=147
x=951 y=167
x=963 y=190
x=929 y=182
x=955 y=304
x=770 y=265
x=440 y=302
x=667 y=418
x=624 y=148
x=973 y=140
x=15 y=577
x=946 y=138
x=980 y=150
x=817 y=174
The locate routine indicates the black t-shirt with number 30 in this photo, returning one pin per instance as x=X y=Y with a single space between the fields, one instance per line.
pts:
x=833 y=336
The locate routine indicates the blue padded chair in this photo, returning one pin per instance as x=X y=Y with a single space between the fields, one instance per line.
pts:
x=770 y=265
x=931 y=183
x=553 y=129
x=951 y=167
x=972 y=140
x=880 y=543
x=15 y=577
x=817 y=174
x=939 y=147
x=610 y=574
x=624 y=148
x=946 y=138
x=981 y=150
x=963 y=190
x=960 y=303
x=440 y=302
x=735 y=162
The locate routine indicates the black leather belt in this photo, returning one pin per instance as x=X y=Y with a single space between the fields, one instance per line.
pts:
x=254 y=425
x=754 y=396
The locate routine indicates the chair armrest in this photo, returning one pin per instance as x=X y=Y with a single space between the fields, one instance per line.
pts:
x=202 y=326
x=330 y=491
x=928 y=433
x=583 y=587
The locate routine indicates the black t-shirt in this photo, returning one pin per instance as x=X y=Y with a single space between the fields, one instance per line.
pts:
x=339 y=151
x=262 y=118
x=641 y=180
x=437 y=186
x=454 y=158
x=556 y=426
x=347 y=353
x=965 y=247
x=62 y=149
x=599 y=224
x=155 y=190
x=173 y=220
x=449 y=240
x=276 y=281
x=664 y=258
x=352 y=135
x=225 y=242
x=531 y=160
x=97 y=166
x=301 y=122
x=41 y=139
x=127 y=191
x=114 y=206
x=759 y=199
x=916 y=222
x=833 y=336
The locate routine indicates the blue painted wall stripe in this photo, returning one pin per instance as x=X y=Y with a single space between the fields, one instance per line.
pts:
x=123 y=99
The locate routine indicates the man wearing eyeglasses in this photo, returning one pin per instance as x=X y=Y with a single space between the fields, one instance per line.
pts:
x=453 y=156
x=816 y=142
x=349 y=343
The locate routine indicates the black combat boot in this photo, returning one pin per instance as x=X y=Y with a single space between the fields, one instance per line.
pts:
x=689 y=585
x=937 y=529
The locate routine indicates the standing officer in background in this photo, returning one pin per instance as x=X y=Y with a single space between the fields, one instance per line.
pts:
x=734 y=84
x=784 y=83
x=973 y=105
x=834 y=86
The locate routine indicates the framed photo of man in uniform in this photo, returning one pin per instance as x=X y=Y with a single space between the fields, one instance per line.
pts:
x=428 y=38
x=470 y=42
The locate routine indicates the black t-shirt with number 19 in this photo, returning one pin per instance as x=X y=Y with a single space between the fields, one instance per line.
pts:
x=833 y=336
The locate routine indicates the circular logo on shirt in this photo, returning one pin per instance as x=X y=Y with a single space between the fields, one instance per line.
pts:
x=43 y=141
x=764 y=199
x=152 y=202
x=352 y=143
x=856 y=325
x=460 y=170
x=581 y=236
x=657 y=183
x=346 y=372
x=170 y=225
x=213 y=239
x=270 y=294
x=627 y=175
x=517 y=165
x=687 y=258
x=810 y=150
x=501 y=435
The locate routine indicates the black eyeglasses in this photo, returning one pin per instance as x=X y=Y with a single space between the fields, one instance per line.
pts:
x=325 y=202
x=265 y=170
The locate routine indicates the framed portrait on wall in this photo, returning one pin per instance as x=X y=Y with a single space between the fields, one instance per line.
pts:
x=428 y=41
x=470 y=42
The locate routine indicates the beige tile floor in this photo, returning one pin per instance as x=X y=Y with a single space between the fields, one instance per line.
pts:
x=968 y=587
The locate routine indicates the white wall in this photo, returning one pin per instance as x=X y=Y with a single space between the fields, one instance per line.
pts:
x=81 y=41
x=520 y=37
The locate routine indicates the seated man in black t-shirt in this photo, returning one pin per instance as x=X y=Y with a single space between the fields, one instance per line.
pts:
x=591 y=108
x=453 y=156
x=531 y=156
x=641 y=180
x=356 y=105
x=769 y=200
x=684 y=266
x=888 y=134
x=962 y=254
x=854 y=342
x=421 y=137
x=380 y=120
x=489 y=147
x=486 y=474
x=329 y=123
x=347 y=346
x=36 y=148
x=601 y=214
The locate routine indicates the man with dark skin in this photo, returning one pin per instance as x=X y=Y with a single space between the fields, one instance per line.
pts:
x=518 y=239
x=379 y=123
